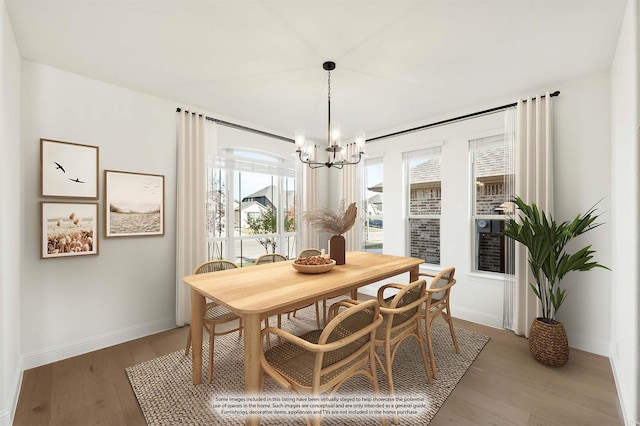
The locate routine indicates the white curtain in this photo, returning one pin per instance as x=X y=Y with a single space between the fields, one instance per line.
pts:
x=352 y=190
x=191 y=233
x=307 y=181
x=534 y=184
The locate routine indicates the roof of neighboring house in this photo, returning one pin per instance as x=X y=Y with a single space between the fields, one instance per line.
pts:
x=246 y=204
x=375 y=203
x=271 y=193
x=376 y=188
x=489 y=162
x=429 y=171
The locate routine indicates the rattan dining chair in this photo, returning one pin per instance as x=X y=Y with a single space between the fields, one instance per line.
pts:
x=215 y=315
x=322 y=360
x=270 y=258
x=437 y=303
x=402 y=320
x=310 y=252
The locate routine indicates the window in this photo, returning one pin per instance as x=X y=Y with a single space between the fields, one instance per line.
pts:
x=492 y=180
x=423 y=183
x=260 y=191
x=373 y=235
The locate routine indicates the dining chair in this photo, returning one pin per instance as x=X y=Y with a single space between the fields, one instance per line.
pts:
x=437 y=303
x=310 y=252
x=322 y=360
x=215 y=314
x=270 y=258
x=402 y=320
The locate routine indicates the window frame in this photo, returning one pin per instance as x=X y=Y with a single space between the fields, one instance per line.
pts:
x=235 y=160
x=424 y=152
x=372 y=162
x=499 y=139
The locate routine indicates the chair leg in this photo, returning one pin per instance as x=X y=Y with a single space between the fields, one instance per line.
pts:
x=186 y=351
x=388 y=361
x=211 y=352
x=324 y=311
x=240 y=327
x=318 y=315
x=428 y=325
x=266 y=325
x=374 y=381
x=447 y=317
x=418 y=338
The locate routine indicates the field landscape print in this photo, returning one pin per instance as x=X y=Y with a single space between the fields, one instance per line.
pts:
x=134 y=204
x=69 y=229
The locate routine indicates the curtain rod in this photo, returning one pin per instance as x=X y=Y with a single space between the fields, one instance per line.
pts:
x=401 y=132
x=241 y=127
x=451 y=120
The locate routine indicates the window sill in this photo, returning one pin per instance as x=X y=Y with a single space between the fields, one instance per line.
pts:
x=494 y=276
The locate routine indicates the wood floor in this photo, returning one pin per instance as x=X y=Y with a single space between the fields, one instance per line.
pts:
x=504 y=386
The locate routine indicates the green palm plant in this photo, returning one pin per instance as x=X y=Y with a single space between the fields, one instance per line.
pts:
x=545 y=241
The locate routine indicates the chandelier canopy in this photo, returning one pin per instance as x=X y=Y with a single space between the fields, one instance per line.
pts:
x=336 y=153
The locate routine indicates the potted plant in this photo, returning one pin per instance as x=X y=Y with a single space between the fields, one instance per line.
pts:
x=335 y=223
x=549 y=261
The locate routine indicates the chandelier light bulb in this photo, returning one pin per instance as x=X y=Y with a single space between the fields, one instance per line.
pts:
x=310 y=150
x=299 y=139
x=360 y=140
x=335 y=134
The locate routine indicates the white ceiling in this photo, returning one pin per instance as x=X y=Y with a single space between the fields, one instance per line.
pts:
x=260 y=62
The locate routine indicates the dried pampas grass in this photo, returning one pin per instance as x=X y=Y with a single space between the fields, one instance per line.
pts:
x=336 y=223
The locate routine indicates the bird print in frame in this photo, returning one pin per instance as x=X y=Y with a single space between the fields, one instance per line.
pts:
x=68 y=170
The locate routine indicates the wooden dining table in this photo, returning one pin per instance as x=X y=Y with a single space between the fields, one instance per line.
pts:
x=257 y=292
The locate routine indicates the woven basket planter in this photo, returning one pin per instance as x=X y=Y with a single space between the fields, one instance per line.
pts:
x=548 y=343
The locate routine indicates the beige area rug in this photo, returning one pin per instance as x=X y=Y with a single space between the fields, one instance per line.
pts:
x=167 y=396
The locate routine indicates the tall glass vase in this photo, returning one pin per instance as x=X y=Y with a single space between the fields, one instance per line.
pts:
x=336 y=249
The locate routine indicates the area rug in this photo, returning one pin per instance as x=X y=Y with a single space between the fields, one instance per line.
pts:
x=167 y=397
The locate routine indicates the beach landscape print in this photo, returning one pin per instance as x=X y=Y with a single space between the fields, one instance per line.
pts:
x=134 y=204
x=69 y=229
x=68 y=169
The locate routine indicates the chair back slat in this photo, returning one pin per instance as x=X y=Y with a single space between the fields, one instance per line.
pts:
x=353 y=330
x=442 y=279
x=214 y=266
x=270 y=258
x=309 y=253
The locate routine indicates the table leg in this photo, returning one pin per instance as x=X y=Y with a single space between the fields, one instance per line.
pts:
x=413 y=273
x=197 y=314
x=252 y=352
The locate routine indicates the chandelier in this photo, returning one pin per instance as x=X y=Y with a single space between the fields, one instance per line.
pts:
x=336 y=154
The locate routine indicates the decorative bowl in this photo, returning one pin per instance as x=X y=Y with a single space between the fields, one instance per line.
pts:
x=313 y=269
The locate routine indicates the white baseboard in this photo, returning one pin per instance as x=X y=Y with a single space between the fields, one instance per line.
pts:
x=89 y=344
x=478 y=317
x=625 y=415
x=8 y=413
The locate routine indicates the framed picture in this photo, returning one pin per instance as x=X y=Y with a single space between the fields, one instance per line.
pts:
x=69 y=229
x=133 y=204
x=68 y=170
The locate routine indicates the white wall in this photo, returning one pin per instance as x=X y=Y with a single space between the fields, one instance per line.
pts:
x=74 y=305
x=10 y=220
x=625 y=94
x=582 y=177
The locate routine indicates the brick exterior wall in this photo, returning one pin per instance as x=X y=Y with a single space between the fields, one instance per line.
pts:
x=488 y=197
x=425 y=239
x=425 y=201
